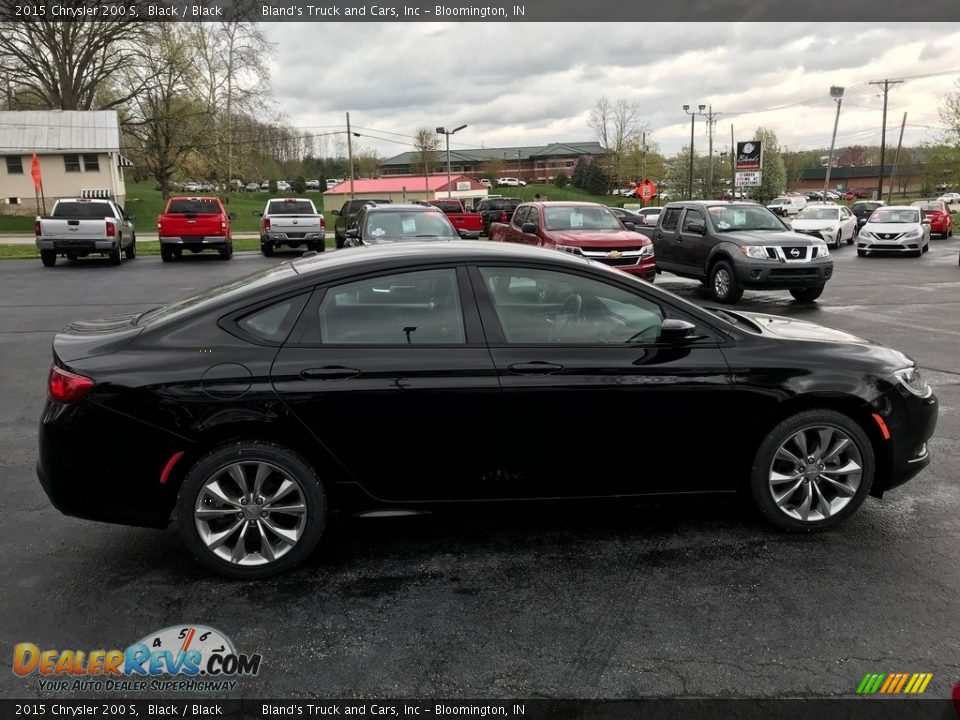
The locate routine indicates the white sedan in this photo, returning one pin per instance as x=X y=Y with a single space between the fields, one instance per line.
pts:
x=511 y=182
x=896 y=228
x=950 y=198
x=833 y=223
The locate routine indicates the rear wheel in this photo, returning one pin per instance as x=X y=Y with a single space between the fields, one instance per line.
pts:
x=251 y=510
x=807 y=294
x=266 y=248
x=48 y=258
x=723 y=283
x=812 y=471
x=166 y=253
x=226 y=252
x=114 y=255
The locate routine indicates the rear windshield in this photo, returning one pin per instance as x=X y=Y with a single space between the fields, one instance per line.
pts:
x=895 y=215
x=929 y=205
x=82 y=210
x=193 y=207
x=861 y=209
x=408 y=225
x=818 y=213
x=290 y=207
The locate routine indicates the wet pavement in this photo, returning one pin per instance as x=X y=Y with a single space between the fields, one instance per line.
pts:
x=663 y=598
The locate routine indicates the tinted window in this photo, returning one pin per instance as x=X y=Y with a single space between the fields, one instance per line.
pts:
x=291 y=207
x=193 y=207
x=414 y=308
x=91 y=163
x=520 y=216
x=81 y=210
x=273 y=323
x=14 y=165
x=544 y=306
x=71 y=163
x=692 y=217
x=671 y=217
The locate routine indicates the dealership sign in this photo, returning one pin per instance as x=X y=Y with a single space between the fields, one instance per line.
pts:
x=748 y=179
x=749 y=155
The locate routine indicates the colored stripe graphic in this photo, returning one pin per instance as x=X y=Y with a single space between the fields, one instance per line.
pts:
x=894 y=683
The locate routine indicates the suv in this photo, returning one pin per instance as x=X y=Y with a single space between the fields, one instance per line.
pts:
x=496 y=210
x=730 y=246
x=347 y=216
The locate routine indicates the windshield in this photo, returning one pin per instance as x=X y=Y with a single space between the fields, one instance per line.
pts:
x=818 y=213
x=744 y=217
x=291 y=207
x=408 y=225
x=193 y=207
x=895 y=215
x=82 y=210
x=864 y=209
x=575 y=217
x=780 y=201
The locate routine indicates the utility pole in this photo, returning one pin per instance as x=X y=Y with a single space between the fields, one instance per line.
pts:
x=883 y=133
x=709 y=115
x=643 y=156
x=350 y=153
x=896 y=160
x=733 y=165
x=693 y=116
x=836 y=92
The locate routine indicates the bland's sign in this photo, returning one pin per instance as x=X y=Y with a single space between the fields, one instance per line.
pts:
x=749 y=155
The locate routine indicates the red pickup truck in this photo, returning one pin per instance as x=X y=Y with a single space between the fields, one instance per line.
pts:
x=195 y=224
x=467 y=224
x=586 y=229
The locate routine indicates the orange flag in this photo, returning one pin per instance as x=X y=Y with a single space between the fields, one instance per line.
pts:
x=35 y=172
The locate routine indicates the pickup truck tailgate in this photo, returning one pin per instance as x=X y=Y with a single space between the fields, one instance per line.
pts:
x=191 y=224
x=66 y=229
x=293 y=224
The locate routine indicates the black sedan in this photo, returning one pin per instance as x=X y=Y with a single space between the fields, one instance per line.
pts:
x=415 y=374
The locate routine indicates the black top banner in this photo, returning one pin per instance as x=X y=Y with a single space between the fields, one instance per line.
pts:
x=679 y=11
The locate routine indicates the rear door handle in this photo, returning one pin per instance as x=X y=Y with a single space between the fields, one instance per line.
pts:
x=535 y=368
x=329 y=373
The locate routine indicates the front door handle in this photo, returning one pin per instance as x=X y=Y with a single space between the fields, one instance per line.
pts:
x=329 y=373
x=535 y=368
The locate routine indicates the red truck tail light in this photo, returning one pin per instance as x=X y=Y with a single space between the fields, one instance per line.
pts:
x=111 y=229
x=223 y=224
x=266 y=223
x=503 y=217
x=36 y=227
x=67 y=387
x=323 y=223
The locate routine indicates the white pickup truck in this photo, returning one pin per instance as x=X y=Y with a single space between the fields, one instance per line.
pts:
x=78 y=227
x=292 y=222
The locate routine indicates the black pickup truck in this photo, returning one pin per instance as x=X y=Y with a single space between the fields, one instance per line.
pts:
x=729 y=246
x=496 y=210
x=347 y=217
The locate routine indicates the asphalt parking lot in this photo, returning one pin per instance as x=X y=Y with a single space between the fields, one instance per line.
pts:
x=645 y=599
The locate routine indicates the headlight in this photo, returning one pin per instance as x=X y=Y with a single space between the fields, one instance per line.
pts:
x=646 y=250
x=914 y=234
x=754 y=251
x=822 y=250
x=572 y=249
x=910 y=379
x=866 y=234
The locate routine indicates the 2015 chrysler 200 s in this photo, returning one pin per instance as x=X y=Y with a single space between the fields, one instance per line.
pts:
x=348 y=380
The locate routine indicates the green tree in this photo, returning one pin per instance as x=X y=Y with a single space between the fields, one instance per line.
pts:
x=774 y=175
x=300 y=185
x=560 y=179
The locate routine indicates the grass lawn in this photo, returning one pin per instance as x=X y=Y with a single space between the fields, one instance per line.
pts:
x=144 y=248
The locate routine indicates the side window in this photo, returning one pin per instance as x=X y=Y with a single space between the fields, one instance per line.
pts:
x=544 y=306
x=692 y=218
x=671 y=216
x=416 y=308
x=273 y=323
x=519 y=217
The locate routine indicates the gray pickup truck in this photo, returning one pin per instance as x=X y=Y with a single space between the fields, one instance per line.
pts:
x=292 y=222
x=79 y=227
x=729 y=246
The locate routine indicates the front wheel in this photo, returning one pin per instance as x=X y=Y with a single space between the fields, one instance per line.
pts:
x=131 y=252
x=724 y=284
x=251 y=510
x=812 y=471
x=807 y=294
x=861 y=253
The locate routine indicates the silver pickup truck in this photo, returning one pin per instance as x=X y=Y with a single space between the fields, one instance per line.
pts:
x=292 y=222
x=78 y=227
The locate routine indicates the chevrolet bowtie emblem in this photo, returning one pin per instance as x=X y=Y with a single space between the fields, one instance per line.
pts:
x=614 y=254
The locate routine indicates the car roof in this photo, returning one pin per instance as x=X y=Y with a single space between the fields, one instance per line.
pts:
x=393 y=207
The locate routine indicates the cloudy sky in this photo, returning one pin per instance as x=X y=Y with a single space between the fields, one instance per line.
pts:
x=532 y=83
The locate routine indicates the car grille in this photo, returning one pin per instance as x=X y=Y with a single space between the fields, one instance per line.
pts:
x=595 y=252
x=795 y=252
x=888 y=236
x=793 y=272
x=620 y=261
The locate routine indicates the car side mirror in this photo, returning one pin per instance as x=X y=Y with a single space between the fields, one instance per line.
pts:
x=131 y=217
x=697 y=228
x=232 y=216
x=629 y=225
x=353 y=232
x=673 y=330
x=925 y=221
x=529 y=228
x=334 y=212
x=257 y=213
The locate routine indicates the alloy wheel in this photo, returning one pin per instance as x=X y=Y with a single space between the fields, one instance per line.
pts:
x=721 y=282
x=815 y=473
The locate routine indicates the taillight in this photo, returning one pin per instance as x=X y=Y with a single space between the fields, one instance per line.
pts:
x=223 y=224
x=111 y=229
x=67 y=387
x=503 y=216
x=323 y=223
x=36 y=227
x=266 y=223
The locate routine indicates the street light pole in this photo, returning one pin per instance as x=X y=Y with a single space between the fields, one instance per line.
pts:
x=836 y=92
x=693 y=116
x=448 y=133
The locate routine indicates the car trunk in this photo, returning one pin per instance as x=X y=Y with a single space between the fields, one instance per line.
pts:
x=89 y=338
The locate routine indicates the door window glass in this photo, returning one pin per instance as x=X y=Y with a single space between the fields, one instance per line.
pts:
x=414 y=308
x=671 y=216
x=544 y=306
x=693 y=217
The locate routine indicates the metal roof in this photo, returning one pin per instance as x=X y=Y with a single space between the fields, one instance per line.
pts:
x=401 y=183
x=506 y=154
x=55 y=131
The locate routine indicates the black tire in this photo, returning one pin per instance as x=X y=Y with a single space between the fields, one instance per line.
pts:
x=807 y=294
x=131 y=251
x=226 y=252
x=166 y=253
x=339 y=241
x=767 y=459
x=114 y=255
x=48 y=258
x=266 y=248
x=723 y=283
x=861 y=253
x=287 y=463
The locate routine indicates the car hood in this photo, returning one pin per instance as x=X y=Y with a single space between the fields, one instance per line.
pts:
x=814 y=224
x=786 y=328
x=589 y=238
x=767 y=237
x=890 y=227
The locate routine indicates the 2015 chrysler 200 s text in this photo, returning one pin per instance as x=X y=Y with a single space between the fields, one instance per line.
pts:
x=247 y=407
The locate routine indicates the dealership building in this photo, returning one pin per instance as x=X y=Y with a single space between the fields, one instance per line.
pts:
x=407 y=188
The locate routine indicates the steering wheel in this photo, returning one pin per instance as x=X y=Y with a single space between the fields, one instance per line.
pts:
x=570 y=313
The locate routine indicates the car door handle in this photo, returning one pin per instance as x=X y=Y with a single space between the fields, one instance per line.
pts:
x=534 y=368
x=329 y=373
